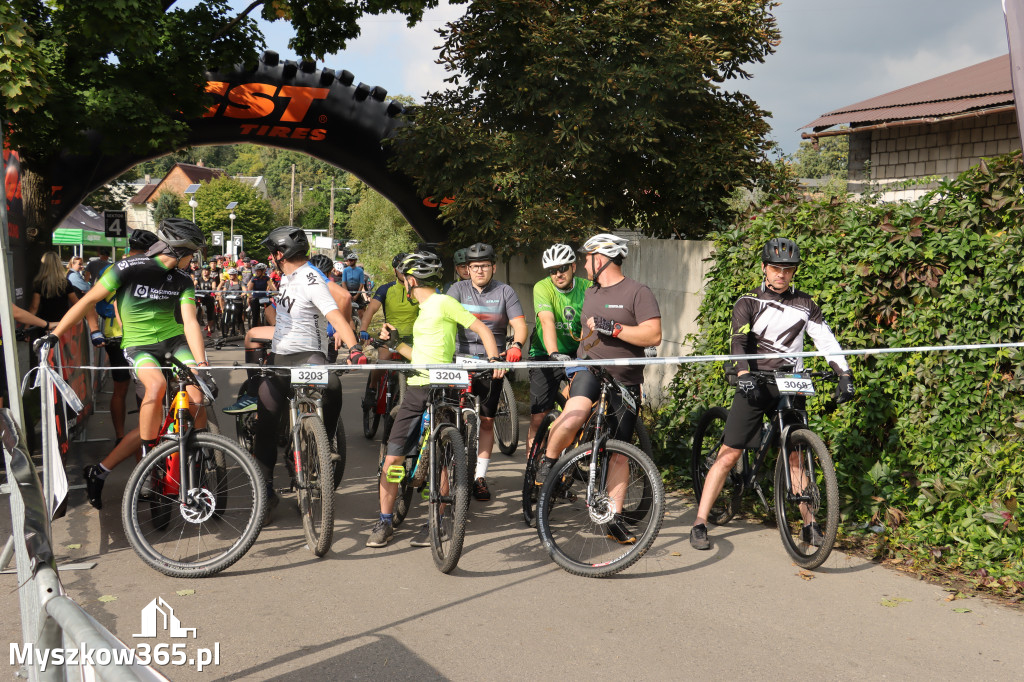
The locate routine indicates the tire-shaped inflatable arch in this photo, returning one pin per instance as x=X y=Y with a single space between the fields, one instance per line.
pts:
x=285 y=104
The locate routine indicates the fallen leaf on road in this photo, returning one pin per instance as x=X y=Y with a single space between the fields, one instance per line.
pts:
x=75 y=546
x=806 y=575
x=108 y=597
x=893 y=603
x=185 y=593
x=955 y=596
x=676 y=554
x=961 y=610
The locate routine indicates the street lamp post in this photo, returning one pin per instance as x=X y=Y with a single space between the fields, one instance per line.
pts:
x=232 y=217
x=193 y=203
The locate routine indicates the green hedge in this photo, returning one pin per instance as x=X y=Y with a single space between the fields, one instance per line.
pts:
x=931 y=449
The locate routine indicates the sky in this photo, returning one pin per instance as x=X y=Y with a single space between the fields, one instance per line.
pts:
x=833 y=53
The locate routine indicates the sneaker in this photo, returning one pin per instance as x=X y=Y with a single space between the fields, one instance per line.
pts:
x=381 y=534
x=480 y=490
x=422 y=537
x=93 y=485
x=811 y=534
x=699 y=537
x=272 y=501
x=543 y=469
x=618 y=531
x=245 y=404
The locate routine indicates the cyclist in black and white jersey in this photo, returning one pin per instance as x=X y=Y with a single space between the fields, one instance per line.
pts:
x=770 y=319
x=304 y=306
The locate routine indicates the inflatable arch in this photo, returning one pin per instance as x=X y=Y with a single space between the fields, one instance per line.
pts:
x=290 y=105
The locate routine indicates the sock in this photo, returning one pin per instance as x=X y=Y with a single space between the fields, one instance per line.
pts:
x=103 y=472
x=252 y=357
x=148 y=445
x=481 y=468
x=387 y=518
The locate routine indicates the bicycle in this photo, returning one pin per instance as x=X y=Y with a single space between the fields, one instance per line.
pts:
x=581 y=492
x=810 y=465
x=195 y=503
x=245 y=422
x=641 y=438
x=443 y=475
x=381 y=396
x=506 y=419
x=231 y=322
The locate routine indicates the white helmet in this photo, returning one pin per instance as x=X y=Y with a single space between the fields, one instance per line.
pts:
x=607 y=245
x=339 y=266
x=559 y=254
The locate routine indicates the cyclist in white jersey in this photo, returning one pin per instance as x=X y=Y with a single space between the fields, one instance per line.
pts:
x=304 y=306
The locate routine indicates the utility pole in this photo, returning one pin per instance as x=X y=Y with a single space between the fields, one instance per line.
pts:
x=291 y=200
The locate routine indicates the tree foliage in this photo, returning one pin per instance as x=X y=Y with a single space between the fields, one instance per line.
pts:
x=168 y=205
x=382 y=232
x=930 y=448
x=253 y=215
x=576 y=115
x=829 y=160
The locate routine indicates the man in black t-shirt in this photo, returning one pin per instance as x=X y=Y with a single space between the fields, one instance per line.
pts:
x=620 y=319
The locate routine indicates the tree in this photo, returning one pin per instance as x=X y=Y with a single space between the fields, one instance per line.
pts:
x=169 y=205
x=382 y=232
x=828 y=159
x=253 y=215
x=579 y=115
x=131 y=72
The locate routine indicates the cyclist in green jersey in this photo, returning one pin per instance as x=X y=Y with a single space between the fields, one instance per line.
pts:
x=434 y=334
x=558 y=302
x=399 y=312
x=156 y=302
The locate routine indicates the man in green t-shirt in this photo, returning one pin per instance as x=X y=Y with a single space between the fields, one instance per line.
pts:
x=433 y=336
x=558 y=302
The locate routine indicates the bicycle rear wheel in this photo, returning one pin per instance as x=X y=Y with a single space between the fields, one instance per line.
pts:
x=370 y=417
x=316 y=493
x=815 y=490
x=530 y=488
x=450 y=505
x=506 y=420
x=339 y=453
x=707 y=440
x=200 y=538
x=577 y=534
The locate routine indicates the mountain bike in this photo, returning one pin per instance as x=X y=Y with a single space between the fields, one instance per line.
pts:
x=806 y=490
x=506 y=419
x=641 y=438
x=195 y=503
x=383 y=394
x=231 y=322
x=592 y=484
x=439 y=468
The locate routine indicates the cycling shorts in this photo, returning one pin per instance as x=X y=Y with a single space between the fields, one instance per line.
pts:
x=489 y=391
x=152 y=354
x=621 y=419
x=118 y=362
x=544 y=385
x=405 y=432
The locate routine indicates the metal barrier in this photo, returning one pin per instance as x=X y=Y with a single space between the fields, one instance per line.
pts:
x=50 y=620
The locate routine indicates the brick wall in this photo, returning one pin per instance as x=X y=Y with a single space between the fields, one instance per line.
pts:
x=943 y=149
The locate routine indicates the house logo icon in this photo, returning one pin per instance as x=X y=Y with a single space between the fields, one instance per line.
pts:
x=158 y=615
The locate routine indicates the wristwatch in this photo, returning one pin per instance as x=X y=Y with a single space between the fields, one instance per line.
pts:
x=616 y=330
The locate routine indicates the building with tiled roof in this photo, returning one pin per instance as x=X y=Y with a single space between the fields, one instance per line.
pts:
x=936 y=128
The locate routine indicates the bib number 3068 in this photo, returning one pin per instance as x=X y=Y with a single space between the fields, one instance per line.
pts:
x=309 y=376
x=794 y=384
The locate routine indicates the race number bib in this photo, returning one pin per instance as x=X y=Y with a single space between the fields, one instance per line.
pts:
x=793 y=384
x=449 y=377
x=309 y=376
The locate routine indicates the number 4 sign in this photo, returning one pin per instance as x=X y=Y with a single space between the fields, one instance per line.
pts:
x=115 y=224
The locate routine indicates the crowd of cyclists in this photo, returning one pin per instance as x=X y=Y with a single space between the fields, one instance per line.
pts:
x=148 y=302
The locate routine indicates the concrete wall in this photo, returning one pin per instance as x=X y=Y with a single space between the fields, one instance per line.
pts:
x=674 y=270
x=944 y=149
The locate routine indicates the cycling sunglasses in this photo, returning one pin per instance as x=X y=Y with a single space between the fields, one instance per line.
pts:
x=559 y=270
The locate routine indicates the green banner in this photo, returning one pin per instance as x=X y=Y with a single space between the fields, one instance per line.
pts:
x=66 y=236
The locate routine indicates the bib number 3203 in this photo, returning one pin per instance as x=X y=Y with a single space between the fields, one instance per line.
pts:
x=309 y=376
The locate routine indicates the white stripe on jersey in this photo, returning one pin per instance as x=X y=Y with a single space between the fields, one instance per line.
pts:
x=302 y=307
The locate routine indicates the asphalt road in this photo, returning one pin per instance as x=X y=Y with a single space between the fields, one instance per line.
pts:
x=742 y=610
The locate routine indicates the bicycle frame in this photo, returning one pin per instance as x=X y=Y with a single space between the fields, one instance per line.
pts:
x=302 y=395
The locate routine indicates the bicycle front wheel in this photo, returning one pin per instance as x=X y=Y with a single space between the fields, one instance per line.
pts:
x=588 y=538
x=214 y=528
x=449 y=505
x=707 y=441
x=808 y=512
x=371 y=420
x=530 y=488
x=315 y=493
x=506 y=420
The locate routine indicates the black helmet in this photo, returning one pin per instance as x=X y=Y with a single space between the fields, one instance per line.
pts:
x=142 y=239
x=459 y=257
x=480 y=251
x=322 y=263
x=397 y=260
x=424 y=266
x=781 y=251
x=183 y=236
x=290 y=240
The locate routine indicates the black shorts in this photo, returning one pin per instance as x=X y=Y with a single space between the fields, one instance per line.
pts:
x=489 y=391
x=118 y=362
x=544 y=385
x=621 y=419
x=743 y=425
x=405 y=432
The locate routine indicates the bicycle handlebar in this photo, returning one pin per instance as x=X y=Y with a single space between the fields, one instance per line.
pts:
x=186 y=375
